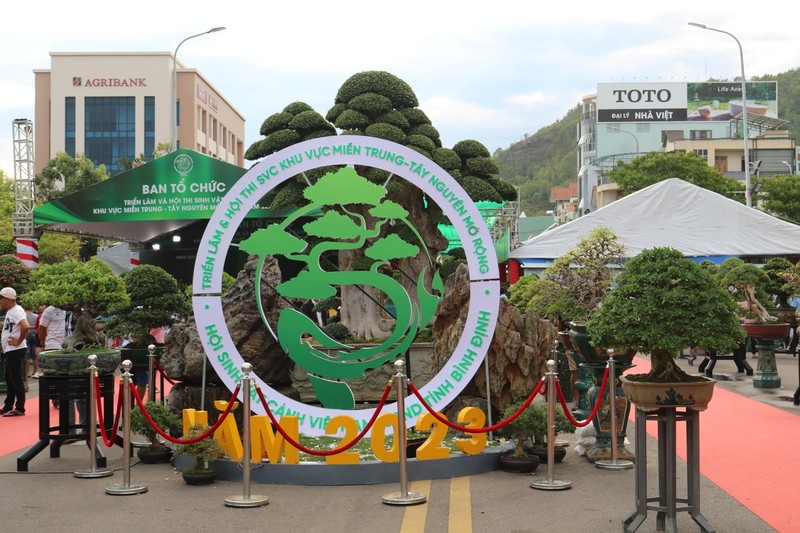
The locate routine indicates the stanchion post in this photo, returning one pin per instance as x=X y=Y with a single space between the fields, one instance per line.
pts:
x=404 y=497
x=550 y=483
x=91 y=428
x=151 y=379
x=614 y=463
x=246 y=499
x=125 y=488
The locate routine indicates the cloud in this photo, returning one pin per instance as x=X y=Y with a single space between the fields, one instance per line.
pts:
x=16 y=95
x=531 y=99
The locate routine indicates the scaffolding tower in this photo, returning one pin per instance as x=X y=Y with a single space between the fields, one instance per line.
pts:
x=22 y=228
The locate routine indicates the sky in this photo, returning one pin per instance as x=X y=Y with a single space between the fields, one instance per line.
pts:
x=494 y=71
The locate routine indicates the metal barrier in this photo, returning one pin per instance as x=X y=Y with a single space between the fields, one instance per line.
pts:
x=125 y=488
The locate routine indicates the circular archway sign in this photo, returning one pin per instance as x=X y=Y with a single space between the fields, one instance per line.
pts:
x=334 y=190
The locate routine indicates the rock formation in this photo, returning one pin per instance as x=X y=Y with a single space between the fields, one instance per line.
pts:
x=183 y=353
x=517 y=355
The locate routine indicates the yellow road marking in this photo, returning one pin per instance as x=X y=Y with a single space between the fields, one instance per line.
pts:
x=415 y=516
x=460 y=517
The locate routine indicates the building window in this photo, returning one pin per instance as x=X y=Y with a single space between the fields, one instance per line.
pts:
x=110 y=131
x=69 y=125
x=149 y=127
x=702 y=152
x=699 y=134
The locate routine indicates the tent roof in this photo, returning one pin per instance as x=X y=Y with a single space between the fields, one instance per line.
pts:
x=676 y=214
x=140 y=204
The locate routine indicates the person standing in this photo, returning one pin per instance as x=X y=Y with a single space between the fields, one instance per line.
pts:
x=33 y=343
x=15 y=349
x=52 y=330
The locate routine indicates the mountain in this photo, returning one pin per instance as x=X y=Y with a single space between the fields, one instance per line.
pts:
x=547 y=158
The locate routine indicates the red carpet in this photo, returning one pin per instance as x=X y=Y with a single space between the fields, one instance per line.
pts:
x=749 y=449
x=20 y=432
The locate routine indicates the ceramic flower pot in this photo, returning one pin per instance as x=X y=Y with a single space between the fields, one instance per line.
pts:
x=57 y=363
x=519 y=465
x=651 y=396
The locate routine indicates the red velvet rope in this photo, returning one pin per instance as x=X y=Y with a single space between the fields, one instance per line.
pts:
x=338 y=449
x=198 y=438
x=597 y=404
x=495 y=427
x=161 y=371
x=108 y=441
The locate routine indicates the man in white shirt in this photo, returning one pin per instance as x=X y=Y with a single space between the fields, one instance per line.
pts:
x=54 y=326
x=15 y=349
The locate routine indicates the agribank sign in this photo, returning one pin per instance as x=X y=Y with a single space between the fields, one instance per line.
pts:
x=343 y=196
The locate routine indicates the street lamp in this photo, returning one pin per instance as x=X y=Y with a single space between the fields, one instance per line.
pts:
x=175 y=84
x=748 y=194
x=791 y=170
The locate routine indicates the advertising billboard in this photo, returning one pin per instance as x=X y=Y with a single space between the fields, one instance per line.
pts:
x=679 y=102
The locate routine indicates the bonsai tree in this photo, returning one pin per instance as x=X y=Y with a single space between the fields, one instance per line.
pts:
x=746 y=282
x=531 y=426
x=163 y=418
x=776 y=269
x=154 y=301
x=661 y=304
x=574 y=286
x=89 y=286
x=539 y=423
x=204 y=452
x=14 y=273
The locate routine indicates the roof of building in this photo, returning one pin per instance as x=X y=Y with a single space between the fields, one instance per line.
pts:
x=564 y=194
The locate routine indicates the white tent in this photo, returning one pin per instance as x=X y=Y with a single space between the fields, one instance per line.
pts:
x=677 y=214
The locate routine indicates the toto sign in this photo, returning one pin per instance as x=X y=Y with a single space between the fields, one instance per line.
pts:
x=336 y=201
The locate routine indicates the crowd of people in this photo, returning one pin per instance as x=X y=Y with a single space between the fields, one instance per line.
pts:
x=25 y=334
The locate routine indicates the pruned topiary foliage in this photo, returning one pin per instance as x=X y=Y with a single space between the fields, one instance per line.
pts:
x=378 y=82
x=662 y=303
x=297 y=121
x=155 y=301
x=273 y=123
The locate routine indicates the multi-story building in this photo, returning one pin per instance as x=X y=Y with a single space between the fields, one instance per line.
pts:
x=625 y=120
x=116 y=107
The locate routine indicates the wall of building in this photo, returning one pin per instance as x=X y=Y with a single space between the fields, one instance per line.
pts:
x=134 y=75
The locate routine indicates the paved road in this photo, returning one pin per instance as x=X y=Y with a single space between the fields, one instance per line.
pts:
x=50 y=498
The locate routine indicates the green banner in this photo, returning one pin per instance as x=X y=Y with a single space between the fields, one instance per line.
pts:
x=503 y=247
x=182 y=185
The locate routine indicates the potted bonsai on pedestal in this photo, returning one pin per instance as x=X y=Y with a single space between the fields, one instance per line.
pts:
x=87 y=288
x=747 y=283
x=572 y=289
x=661 y=304
x=204 y=452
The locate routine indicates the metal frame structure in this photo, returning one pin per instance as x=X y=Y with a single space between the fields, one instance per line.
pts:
x=24 y=197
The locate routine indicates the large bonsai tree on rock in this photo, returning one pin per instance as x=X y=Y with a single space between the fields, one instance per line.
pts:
x=381 y=105
x=661 y=304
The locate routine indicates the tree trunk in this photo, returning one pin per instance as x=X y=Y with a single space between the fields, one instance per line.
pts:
x=664 y=369
x=363 y=307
